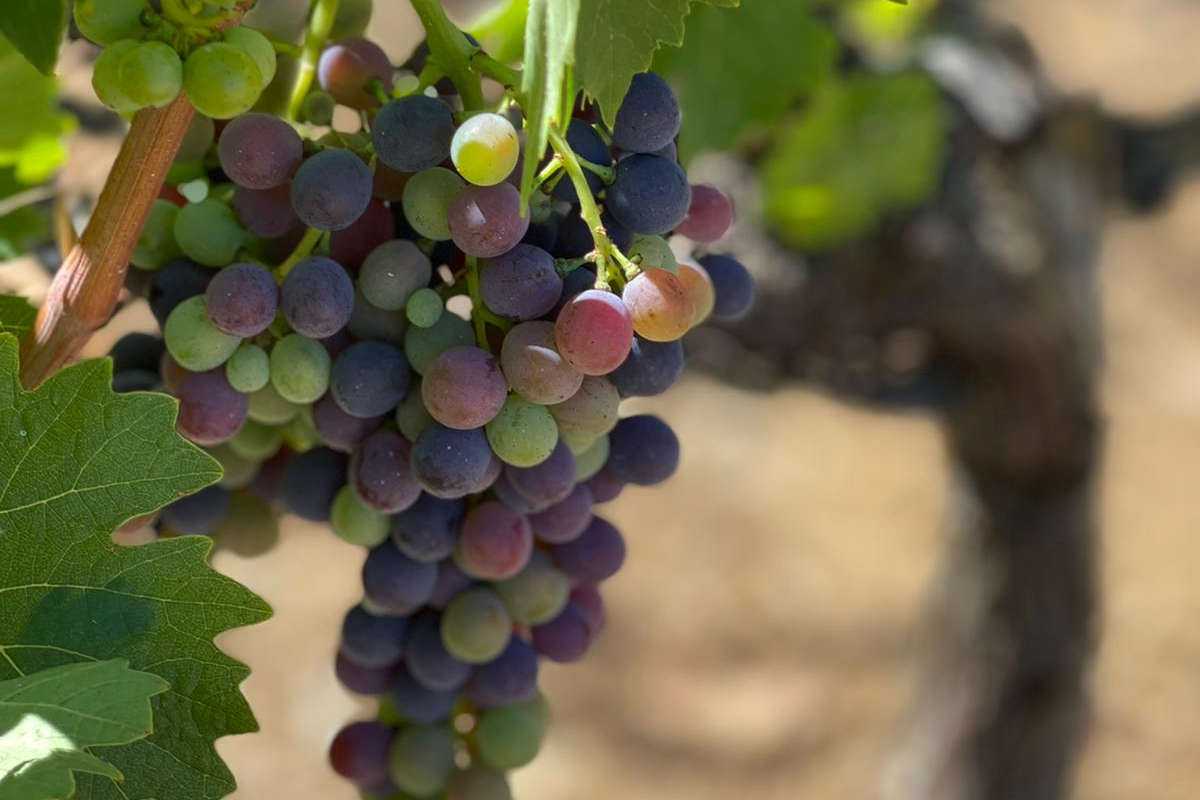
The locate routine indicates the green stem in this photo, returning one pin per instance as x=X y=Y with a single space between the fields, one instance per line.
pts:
x=286 y=48
x=319 y=26
x=449 y=47
x=607 y=174
x=606 y=268
x=484 y=64
x=477 y=307
x=303 y=249
x=548 y=171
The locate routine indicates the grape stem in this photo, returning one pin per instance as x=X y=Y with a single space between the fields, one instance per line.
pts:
x=303 y=249
x=484 y=64
x=87 y=286
x=607 y=174
x=452 y=51
x=476 y=302
x=319 y=26
x=548 y=171
x=605 y=255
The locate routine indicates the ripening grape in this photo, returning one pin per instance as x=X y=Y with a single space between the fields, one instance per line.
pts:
x=426 y=201
x=351 y=245
x=510 y=737
x=357 y=524
x=709 y=216
x=534 y=367
x=416 y=704
x=317 y=297
x=106 y=22
x=392 y=272
x=594 y=332
x=650 y=195
x=150 y=74
x=485 y=149
x=251 y=529
x=649 y=117
x=256 y=441
x=242 y=299
x=423 y=345
x=605 y=487
x=413 y=133
x=369 y=322
x=589 y=413
x=421 y=759
x=337 y=429
x=486 y=221
x=464 y=388
x=318 y=108
x=411 y=415
x=564 y=520
x=208 y=232
x=475 y=626
x=520 y=284
x=193 y=340
x=266 y=212
x=351 y=19
x=347 y=69
x=733 y=286
x=699 y=287
x=653 y=252
x=259 y=151
x=222 y=80
x=331 y=190
x=363 y=680
x=478 y=783
x=536 y=594
x=658 y=305
x=300 y=369
x=210 y=410
x=495 y=542
x=523 y=434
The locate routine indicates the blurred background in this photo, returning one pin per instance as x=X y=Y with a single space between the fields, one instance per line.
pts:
x=972 y=383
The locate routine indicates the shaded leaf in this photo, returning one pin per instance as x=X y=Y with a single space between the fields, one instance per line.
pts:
x=16 y=315
x=549 y=48
x=31 y=125
x=36 y=27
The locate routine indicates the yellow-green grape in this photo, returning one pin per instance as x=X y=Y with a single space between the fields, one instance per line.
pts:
x=151 y=74
x=523 y=433
x=239 y=471
x=208 y=232
x=106 y=22
x=299 y=369
x=653 y=252
x=222 y=80
x=355 y=522
x=106 y=79
x=257 y=46
x=267 y=405
x=256 y=441
x=192 y=339
x=485 y=149
x=591 y=460
x=248 y=369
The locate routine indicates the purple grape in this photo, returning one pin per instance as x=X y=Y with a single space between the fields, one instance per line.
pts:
x=564 y=520
x=586 y=597
x=643 y=450
x=733 y=285
x=317 y=297
x=364 y=680
x=369 y=379
x=259 y=151
x=548 y=482
x=428 y=661
x=267 y=212
x=495 y=542
x=174 y=282
x=575 y=240
x=199 y=513
x=451 y=580
x=413 y=133
x=511 y=678
x=709 y=216
x=594 y=332
x=594 y=555
x=650 y=368
x=350 y=246
x=565 y=638
x=649 y=116
x=428 y=529
x=394 y=582
x=650 y=195
x=486 y=221
x=242 y=299
x=331 y=190
x=521 y=284
x=336 y=344
x=346 y=70
x=535 y=369
x=449 y=463
x=464 y=388
x=372 y=641
x=359 y=752
x=210 y=410
x=604 y=486
x=381 y=475
x=417 y=704
x=506 y=494
x=310 y=482
x=339 y=430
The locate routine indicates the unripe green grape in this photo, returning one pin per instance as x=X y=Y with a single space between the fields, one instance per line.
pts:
x=300 y=432
x=156 y=244
x=208 y=232
x=192 y=339
x=299 y=369
x=266 y=405
x=536 y=594
x=523 y=433
x=248 y=369
x=426 y=201
x=653 y=252
x=421 y=759
x=106 y=78
x=352 y=19
x=239 y=471
x=485 y=149
x=222 y=80
x=318 y=107
x=354 y=522
x=510 y=737
x=196 y=140
x=256 y=441
x=591 y=460
x=106 y=22
x=424 y=308
x=282 y=20
x=411 y=415
x=151 y=74
x=476 y=626
x=257 y=46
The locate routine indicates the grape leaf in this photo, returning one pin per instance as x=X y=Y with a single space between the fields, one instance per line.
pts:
x=501 y=30
x=735 y=71
x=36 y=27
x=49 y=720
x=76 y=460
x=618 y=38
x=31 y=125
x=16 y=315
x=549 y=48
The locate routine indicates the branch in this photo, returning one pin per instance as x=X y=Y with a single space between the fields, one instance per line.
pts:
x=86 y=286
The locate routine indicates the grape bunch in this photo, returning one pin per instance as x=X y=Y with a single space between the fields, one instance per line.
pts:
x=369 y=330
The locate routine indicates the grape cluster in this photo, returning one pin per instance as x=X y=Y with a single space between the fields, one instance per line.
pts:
x=368 y=330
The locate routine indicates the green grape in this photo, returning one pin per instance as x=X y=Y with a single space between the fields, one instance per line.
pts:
x=510 y=737
x=392 y=272
x=354 y=522
x=106 y=79
x=421 y=759
x=426 y=201
x=300 y=432
x=411 y=415
x=476 y=626
x=196 y=140
x=424 y=308
x=299 y=369
x=423 y=345
x=156 y=245
x=251 y=528
x=151 y=74
x=192 y=339
x=239 y=471
x=266 y=405
x=106 y=22
x=523 y=433
x=249 y=369
x=282 y=20
x=208 y=232
x=590 y=461
x=181 y=173
x=222 y=80
x=257 y=441
x=536 y=594
x=351 y=19
x=653 y=252
x=276 y=96
x=318 y=107
x=257 y=46
x=485 y=149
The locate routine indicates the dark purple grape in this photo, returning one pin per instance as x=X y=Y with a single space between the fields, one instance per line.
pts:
x=310 y=482
x=511 y=678
x=174 y=282
x=373 y=641
x=364 y=680
x=259 y=151
x=565 y=638
x=381 y=475
x=566 y=519
x=141 y=351
x=242 y=299
x=575 y=282
x=542 y=234
x=347 y=68
x=413 y=133
x=605 y=487
x=369 y=379
x=506 y=494
x=199 y=513
x=650 y=368
x=643 y=450
x=331 y=190
x=428 y=529
x=593 y=556
x=650 y=195
x=450 y=463
x=350 y=246
x=394 y=582
x=317 y=297
x=451 y=580
x=618 y=234
x=548 y=482
x=733 y=285
x=521 y=284
x=587 y=144
x=359 y=752
x=649 y=117
x=418 y=704
x=339 y=430
x=210 y=410
x=486 y=221
x=267 y=212
x=428 y=661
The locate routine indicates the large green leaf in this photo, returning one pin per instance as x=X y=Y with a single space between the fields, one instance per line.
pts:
x=16 y=315
x=31 y=125
x=745 y=68
x=501 y=30
x=549 y=48
x=36 y=27
x=617 y=40
x=51 y=719
x=76 y=460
